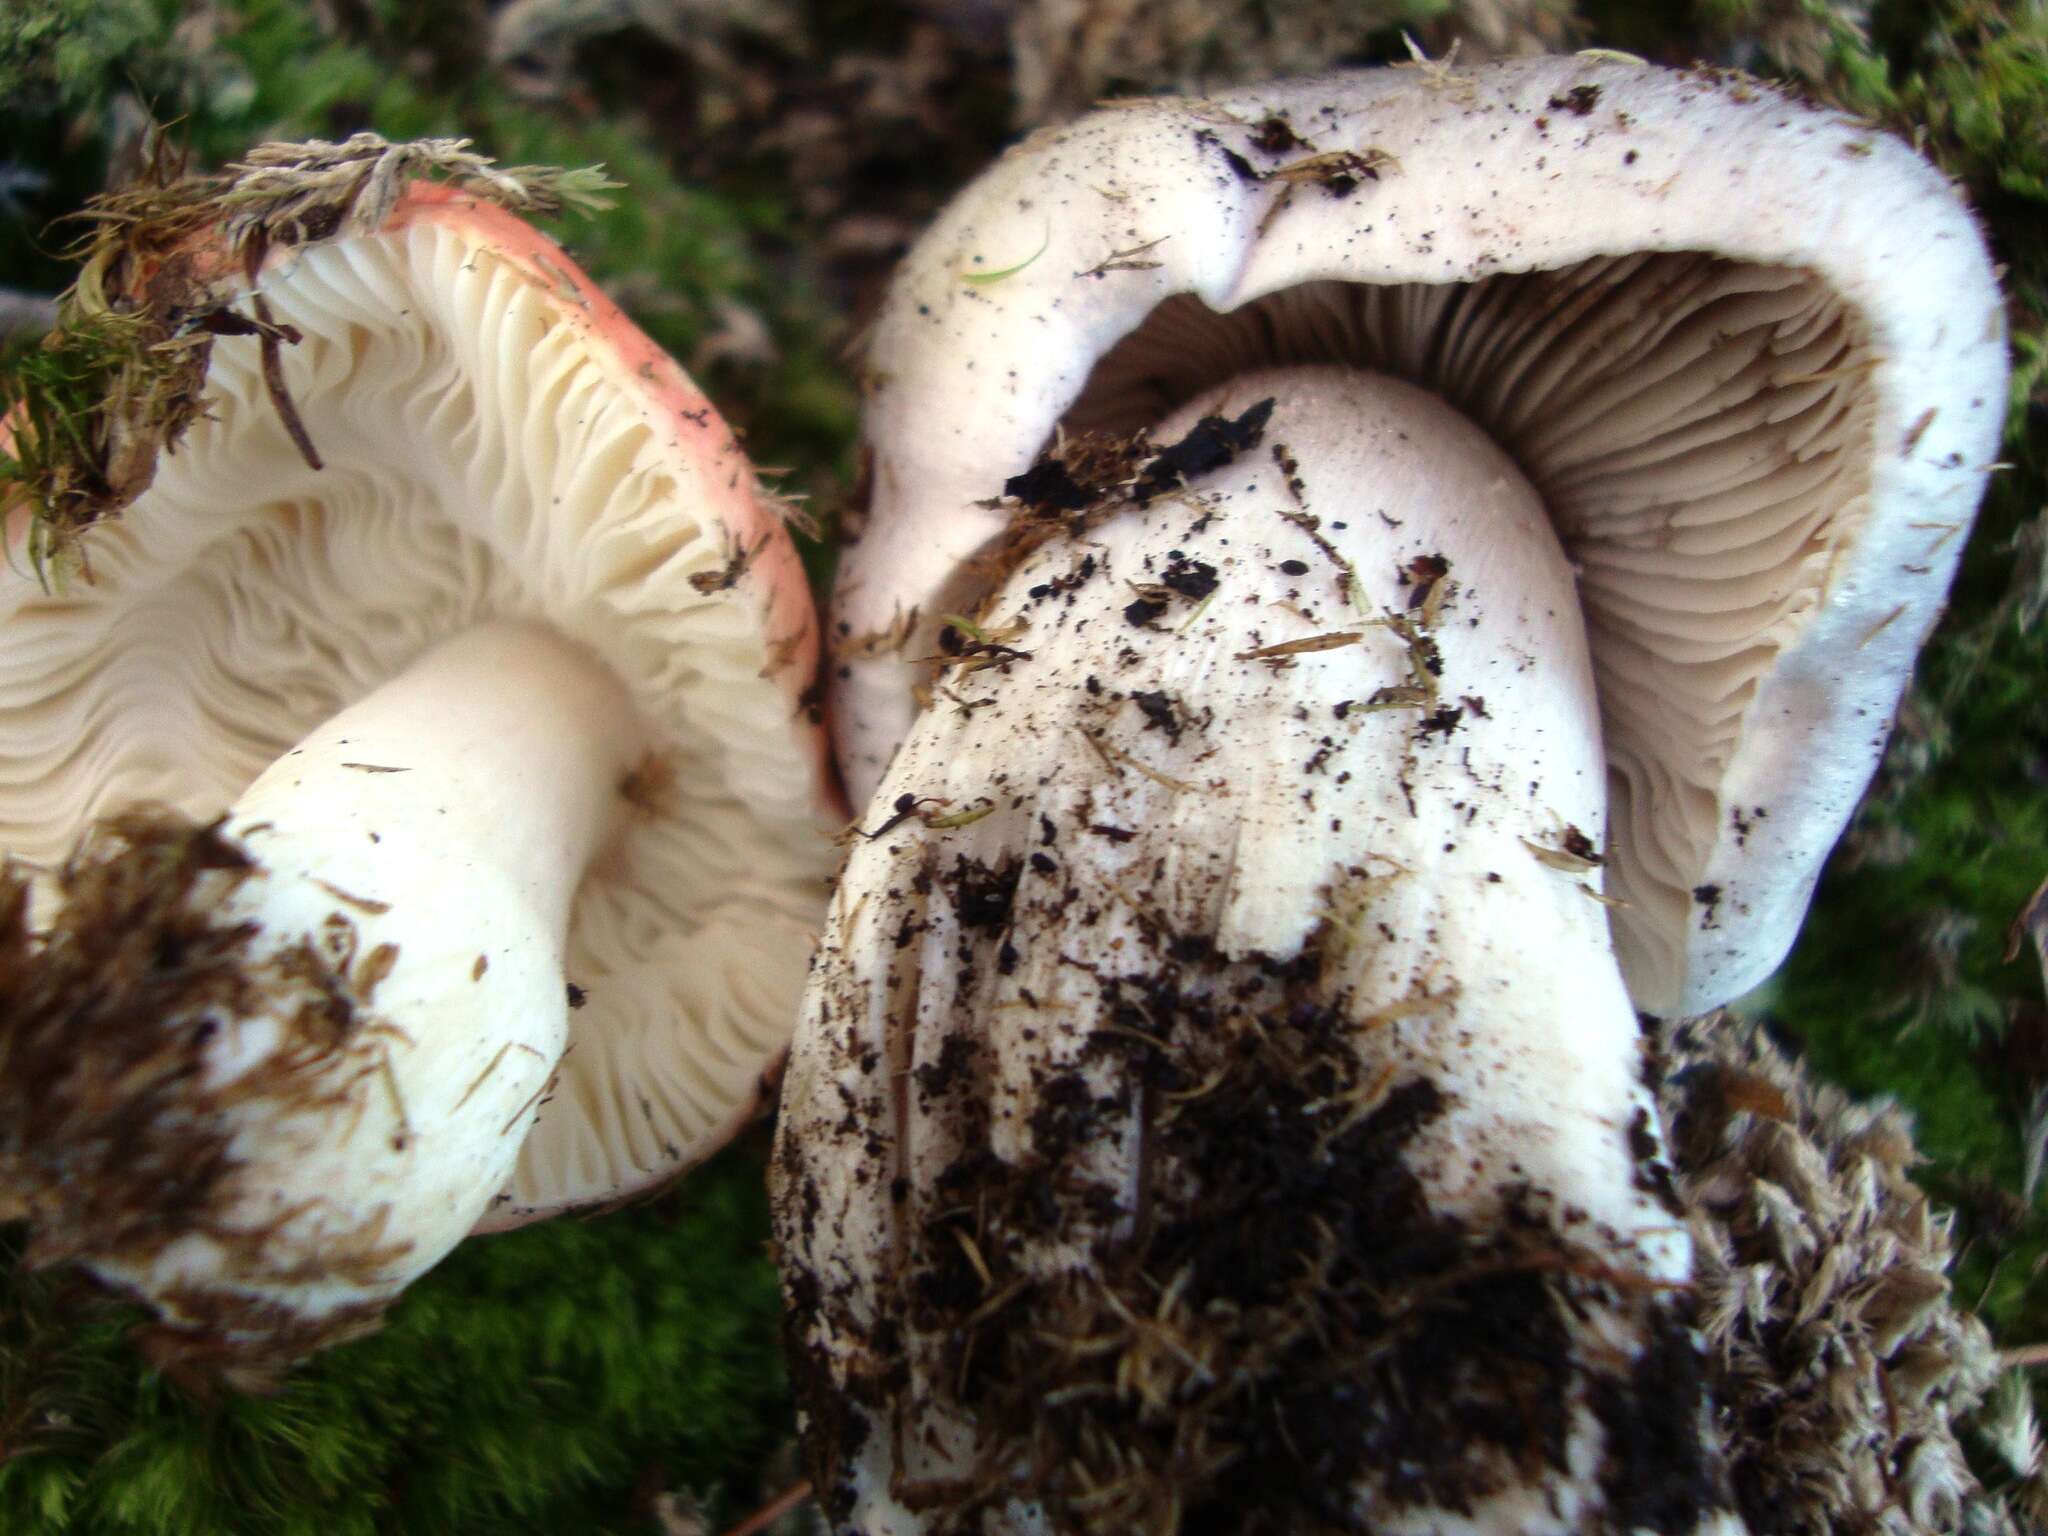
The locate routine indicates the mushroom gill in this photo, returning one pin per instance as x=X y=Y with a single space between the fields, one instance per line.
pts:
x=1699 y=430
x=478 y=462
x=454 y=632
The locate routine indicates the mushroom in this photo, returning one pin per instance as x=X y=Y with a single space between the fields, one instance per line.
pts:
x=1750 y=352
x=457 y=826
x=1406 y=569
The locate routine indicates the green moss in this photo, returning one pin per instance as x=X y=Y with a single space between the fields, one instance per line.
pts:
x=123 y=374
x=68 y=54
x=672 y=253
x=1899 y=984
x=533 y=1382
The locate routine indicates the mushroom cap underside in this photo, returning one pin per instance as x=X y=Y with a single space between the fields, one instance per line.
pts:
x=1751 y=351
x=497 y=442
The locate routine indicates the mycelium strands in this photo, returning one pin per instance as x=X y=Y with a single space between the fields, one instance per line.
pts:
x=490 y=453
x=1217 y=1099
x=423 y=846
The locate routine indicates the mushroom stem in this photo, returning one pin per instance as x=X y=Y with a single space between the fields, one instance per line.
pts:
x=502 y=750
x=1267 y=1031
x=381 y=1003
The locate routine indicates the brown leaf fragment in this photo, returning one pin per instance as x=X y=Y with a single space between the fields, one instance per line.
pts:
x=1337 y=171
x=1561 y=858
x=1332 y=641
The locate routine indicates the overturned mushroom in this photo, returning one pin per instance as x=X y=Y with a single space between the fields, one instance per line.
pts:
x=1750 y=354
x=1413 y=569
x=465 y=834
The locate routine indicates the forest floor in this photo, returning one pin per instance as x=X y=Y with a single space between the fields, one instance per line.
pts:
x=623 y=1374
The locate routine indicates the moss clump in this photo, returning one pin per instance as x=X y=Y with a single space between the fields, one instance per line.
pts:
x=123 y=375
x=555 y=1379
x=1823 y=1293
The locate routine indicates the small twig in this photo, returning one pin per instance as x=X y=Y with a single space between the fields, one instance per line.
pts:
x=271 y=340
x=772 y=1511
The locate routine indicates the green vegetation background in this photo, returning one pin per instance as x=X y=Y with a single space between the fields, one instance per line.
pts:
x=566 y=1378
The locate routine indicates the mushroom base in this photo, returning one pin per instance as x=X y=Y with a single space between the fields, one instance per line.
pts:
x=278 y=1074
x=112 y=1144
x=1295 y=1337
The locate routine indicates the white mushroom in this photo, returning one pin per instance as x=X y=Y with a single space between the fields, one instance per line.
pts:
x=1219 y=1103
x=498 y=710
x=1749 y=352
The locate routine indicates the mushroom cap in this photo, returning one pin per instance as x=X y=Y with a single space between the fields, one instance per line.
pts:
x=499 y=442
x=1750 y=350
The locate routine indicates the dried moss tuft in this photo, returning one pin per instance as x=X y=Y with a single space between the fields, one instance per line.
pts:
x=123 y=375
x=1840 y=1363
x=115 y=1139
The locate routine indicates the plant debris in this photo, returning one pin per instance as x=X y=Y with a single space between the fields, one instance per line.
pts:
x=1334 y=640
x=1082 y=472
x=1284 y=1319
x=122 y=376
x=1211 y=443
x=1338 y=172
x=1823 y=1294
x=1076 y=472
x=114 y=1142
